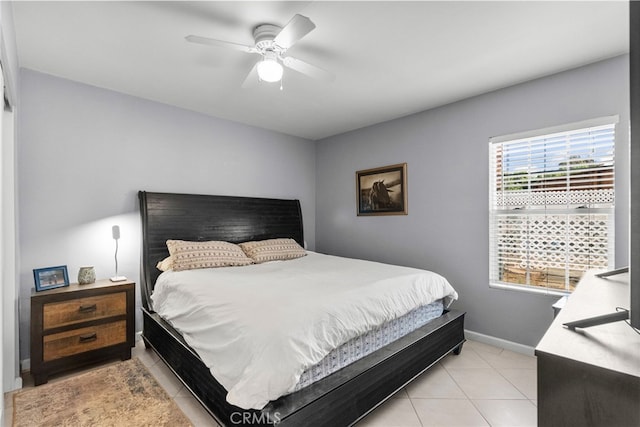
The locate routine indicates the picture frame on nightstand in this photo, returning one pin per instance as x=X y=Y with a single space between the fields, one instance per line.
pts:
x=50 y=277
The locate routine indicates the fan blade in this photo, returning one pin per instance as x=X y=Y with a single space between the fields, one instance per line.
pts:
x=308 y=69
x=297 y=28
x=220 y=43
x=252 y=78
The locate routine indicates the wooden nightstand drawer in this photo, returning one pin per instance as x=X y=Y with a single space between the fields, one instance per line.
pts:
x=82 y=309
x=85 y=339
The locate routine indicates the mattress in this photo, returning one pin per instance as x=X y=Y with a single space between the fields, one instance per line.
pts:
x=365 y=344
x=259 y=327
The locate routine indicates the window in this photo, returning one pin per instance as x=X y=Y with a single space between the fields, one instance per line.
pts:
x=552 y=205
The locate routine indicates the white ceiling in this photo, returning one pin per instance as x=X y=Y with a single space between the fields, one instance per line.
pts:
x=390 y=58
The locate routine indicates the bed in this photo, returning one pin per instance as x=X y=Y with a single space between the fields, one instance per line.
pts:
x=341 y=398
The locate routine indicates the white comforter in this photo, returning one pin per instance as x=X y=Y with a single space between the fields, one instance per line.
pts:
x=259 y=327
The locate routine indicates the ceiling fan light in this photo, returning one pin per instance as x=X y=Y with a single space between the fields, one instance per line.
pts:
x=270 y=70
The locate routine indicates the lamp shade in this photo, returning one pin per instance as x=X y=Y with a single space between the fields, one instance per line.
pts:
x=269 y=70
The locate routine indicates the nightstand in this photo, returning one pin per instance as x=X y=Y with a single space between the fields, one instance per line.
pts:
x=81 y=324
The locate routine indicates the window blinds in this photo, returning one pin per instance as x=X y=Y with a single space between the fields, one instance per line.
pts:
x=552 y=201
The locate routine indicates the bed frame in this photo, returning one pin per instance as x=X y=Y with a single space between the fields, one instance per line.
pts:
x=340 y=399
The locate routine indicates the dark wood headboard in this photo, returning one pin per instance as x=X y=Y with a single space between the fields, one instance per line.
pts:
x=200 y=218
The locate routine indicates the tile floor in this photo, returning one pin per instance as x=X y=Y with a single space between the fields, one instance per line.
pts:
x=483 y=386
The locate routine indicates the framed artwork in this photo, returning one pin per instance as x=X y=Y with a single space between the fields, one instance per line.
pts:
x=382 y=191
x=50 y=277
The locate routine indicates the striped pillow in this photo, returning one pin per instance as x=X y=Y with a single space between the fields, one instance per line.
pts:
x=191 y=255
x=272 y=250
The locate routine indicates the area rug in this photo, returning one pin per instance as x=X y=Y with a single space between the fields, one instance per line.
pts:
x=125 y=394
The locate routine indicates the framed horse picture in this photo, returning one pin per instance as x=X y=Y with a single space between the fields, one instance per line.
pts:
x=382 y=191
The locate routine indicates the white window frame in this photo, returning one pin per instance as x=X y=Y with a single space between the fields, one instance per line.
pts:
x=500 y=213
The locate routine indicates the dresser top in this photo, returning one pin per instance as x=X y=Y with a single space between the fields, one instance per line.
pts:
x=614 y=346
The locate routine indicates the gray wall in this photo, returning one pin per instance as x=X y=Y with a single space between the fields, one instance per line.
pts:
x=446 y=150
x=84 y=152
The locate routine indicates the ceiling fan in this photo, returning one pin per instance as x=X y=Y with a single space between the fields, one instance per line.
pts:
x=272 y=43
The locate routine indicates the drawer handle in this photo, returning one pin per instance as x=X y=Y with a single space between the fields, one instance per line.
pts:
x=88 y=308
x=88 y=337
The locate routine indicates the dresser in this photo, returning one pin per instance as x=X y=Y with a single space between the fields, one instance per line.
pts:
x=590 y=376
x=81 y=324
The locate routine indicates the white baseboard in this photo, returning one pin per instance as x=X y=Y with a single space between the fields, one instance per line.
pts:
x=499 y=342
x=17 y=383
x=25 y=365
